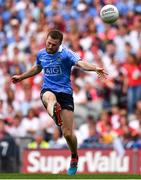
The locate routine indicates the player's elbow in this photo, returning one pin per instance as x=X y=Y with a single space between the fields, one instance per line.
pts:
x=81 y=64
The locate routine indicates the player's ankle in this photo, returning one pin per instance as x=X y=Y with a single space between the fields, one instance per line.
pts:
x=74 y=155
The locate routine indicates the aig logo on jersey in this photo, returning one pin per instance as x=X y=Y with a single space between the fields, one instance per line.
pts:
x=53 y=70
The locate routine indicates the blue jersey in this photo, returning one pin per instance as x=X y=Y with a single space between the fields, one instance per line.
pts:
x=57 y=69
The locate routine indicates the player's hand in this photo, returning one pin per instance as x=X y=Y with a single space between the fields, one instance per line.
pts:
x=16 y=78
x=101 y=73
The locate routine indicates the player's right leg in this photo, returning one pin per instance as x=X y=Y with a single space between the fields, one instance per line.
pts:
x=53 y=107
x=68 y=132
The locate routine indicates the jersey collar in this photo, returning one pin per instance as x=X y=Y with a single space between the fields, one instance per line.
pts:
x=60 y=48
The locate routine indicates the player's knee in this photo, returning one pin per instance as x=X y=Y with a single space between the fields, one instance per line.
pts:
x=49 y=101
x=67 y=134
x=49 y=97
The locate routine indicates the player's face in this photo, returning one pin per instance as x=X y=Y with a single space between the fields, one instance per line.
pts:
x=52 y=45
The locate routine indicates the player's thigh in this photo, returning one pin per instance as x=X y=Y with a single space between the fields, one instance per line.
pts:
x=68 y=119
x=48 y=97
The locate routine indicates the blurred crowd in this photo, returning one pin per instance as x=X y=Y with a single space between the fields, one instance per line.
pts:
x=107 y=112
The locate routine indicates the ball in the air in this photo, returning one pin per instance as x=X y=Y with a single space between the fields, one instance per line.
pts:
x=109 y=13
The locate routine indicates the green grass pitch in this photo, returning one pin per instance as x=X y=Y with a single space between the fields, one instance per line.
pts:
x=64 y=176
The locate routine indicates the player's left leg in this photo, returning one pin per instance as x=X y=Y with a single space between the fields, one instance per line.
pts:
x=53 y=107
x=68 y=132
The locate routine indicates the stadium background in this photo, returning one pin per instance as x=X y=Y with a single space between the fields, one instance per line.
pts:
x=107 y=113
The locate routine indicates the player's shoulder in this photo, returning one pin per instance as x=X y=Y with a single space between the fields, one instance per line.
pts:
x=70 y=53
x=41 y=51
x=67 y=50
x=63 y=50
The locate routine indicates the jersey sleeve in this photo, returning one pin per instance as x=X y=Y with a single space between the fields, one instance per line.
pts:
x=73 y=57
x=38 y=62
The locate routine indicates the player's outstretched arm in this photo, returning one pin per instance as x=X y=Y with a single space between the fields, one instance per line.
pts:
x=33 y=71
x=91 y=67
